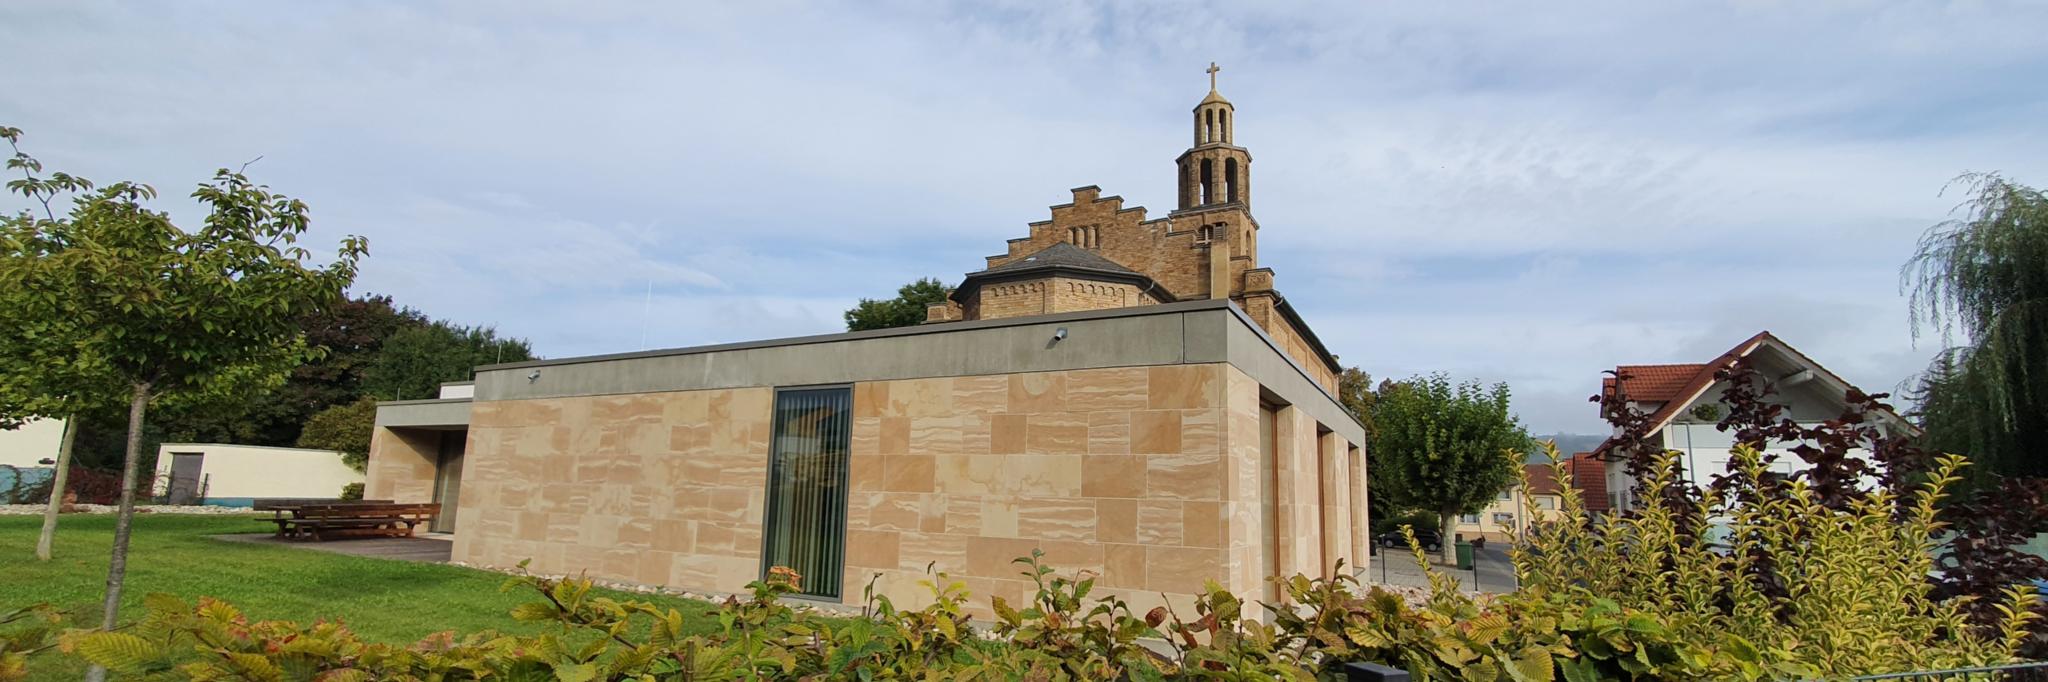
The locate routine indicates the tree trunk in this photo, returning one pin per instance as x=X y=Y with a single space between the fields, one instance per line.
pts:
x=117 y=566
x=1448 y=522
x=58 y=479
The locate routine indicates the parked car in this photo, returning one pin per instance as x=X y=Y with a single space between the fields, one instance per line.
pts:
x=1429 y=539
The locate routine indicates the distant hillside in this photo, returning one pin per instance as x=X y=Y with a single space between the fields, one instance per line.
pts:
x=1568 y=443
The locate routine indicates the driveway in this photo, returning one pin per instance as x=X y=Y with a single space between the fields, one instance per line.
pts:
x=1492 y=571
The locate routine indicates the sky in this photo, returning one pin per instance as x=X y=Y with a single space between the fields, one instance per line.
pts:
x=1519 y=192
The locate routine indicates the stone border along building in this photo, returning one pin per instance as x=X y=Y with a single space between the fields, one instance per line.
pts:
x=1130 y=395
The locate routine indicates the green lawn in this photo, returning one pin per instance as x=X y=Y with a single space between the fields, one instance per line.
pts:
x=381 y=599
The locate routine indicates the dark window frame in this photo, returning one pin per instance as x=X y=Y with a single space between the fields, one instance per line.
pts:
x=770 y=507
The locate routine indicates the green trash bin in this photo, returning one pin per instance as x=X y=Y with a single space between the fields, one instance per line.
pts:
x=1464 y=555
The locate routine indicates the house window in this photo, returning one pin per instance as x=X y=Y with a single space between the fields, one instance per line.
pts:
x=805 y=525
x=1503 y=519
x=1546 y=503
x=1507 y=496
x=1472 y=519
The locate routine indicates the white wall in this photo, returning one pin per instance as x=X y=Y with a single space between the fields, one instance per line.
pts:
x=1704 y=452
x=33 y=442
x=242 y=471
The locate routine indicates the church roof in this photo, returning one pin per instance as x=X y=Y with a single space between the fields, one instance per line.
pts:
x=1061 y=255
x=1063 y=259
x=1213 y=98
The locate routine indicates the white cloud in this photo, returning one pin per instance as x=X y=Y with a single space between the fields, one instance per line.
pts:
x=1493 y=189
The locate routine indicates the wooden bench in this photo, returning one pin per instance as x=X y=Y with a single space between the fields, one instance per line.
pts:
x=274 y=503
x=353 y=519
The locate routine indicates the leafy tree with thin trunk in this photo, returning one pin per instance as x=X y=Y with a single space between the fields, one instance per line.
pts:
x=35 y=384
x=1450 y=449
x=907 y=309
x=173 y=315
x=1984 y=275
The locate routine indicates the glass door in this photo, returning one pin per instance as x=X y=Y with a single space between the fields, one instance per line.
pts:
x=805 y=528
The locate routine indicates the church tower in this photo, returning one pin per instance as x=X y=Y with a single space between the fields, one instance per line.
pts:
x=1095 y=253
x=1215 y=170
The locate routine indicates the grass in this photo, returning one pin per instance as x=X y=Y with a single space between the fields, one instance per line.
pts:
x=382 y=600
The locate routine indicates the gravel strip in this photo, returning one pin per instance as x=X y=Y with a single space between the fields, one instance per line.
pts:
x=37 y=509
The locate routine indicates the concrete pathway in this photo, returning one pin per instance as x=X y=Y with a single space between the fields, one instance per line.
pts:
x=432 y=548
x=1492 y=571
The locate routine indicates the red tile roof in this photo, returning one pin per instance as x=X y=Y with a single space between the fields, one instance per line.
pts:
x=1589 y=476
x=1542 y=481
x=1654 y=383
x=1702 y=378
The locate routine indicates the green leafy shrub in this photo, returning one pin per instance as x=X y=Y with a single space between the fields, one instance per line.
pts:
x=24 y=632
x=1815 y=588
x=352 y=491
x=343 y=428
x=1064 y=633
x=1626 y=598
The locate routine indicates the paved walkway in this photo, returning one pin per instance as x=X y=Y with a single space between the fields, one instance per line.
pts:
x=430 y=549
x=1492 y=571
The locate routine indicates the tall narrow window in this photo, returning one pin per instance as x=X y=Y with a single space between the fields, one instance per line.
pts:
x=1208 y=182
x=1223 y=124
x=1230 y=180
x=806 y=515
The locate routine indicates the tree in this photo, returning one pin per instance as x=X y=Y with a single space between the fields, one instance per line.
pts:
x=1448 y=449
x=344 y=429
x=33 y=385
x=414 y=361
x=352 y=332
x=174 y=315
x=1985 y=274
x=1355 y=392
x=905 y=310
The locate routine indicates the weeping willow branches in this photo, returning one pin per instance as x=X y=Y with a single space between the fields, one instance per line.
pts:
x=1980 y=282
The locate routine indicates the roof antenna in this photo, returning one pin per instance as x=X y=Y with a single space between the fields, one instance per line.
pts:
x=645 y=305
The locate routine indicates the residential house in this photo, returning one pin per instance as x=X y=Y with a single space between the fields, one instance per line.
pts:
x=1683 y=403
x=1515 y=508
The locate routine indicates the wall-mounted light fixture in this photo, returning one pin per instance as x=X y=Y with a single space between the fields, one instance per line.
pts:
x=1059 y=334
x=533 y=376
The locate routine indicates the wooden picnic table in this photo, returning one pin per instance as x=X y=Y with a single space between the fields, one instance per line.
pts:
x=355 y=518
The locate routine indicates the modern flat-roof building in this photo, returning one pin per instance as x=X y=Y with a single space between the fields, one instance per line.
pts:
x=1130 y=396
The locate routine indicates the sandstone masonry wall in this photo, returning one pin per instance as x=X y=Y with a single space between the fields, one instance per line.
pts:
x=402 y=465
x=1148 y=476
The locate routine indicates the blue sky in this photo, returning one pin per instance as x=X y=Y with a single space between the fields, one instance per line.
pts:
x=1506 y=191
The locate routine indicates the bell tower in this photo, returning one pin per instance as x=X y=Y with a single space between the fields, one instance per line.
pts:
x=1215 y=170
